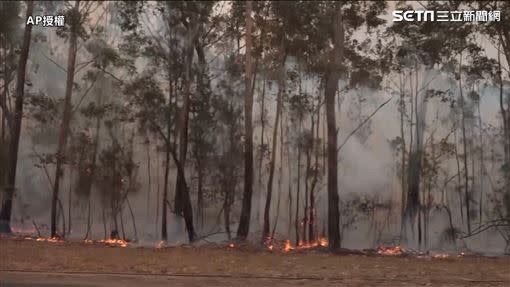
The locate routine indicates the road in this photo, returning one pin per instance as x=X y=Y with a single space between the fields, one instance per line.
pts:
x=47 y=279
x=70 y=279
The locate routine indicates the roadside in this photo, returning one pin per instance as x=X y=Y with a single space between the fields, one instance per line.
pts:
x=203 y=266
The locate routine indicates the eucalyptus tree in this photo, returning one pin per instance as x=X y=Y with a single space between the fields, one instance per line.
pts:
x=13 y=117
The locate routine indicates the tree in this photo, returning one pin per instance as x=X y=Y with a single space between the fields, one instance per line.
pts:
x=331 y=85
x=244 y=221
x=76 y=20
x=15 y=120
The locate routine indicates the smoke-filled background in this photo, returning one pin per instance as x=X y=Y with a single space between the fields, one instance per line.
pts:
x=151 y=123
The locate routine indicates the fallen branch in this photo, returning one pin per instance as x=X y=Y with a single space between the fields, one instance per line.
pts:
x=36 y=228
x=362 y=123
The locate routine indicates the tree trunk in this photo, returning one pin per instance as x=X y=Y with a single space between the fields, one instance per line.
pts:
x=280 y=176
x=279 y=102
x=331 y=86
x=316 y=148
x=296 y=223
x=307 y=178
x=482 y=165
x=64 y=128
x=5 y=214
x=261 y=153
x=164 y=234
x=402 y=108
x=149 y=177
x=182 y=198
x=289 y=167
x=505 y=113
x=464 y=144
x=70 y=200
x=244 y=222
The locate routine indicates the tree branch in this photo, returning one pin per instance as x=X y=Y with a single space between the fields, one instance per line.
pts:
x=362 y=123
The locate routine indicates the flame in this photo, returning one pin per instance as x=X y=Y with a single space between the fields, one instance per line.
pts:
x=287 y=246
x=390 y=250
x=115 y=242
x=49 y=239
x=440 y=255
x=160 y=244
x=88 y=241
x=323 y=242
x=231 y=245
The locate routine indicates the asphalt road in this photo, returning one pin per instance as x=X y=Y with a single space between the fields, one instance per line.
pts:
x=70 y=279
x=44 y=279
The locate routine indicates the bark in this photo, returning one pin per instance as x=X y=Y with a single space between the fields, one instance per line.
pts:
x=5 y=213
x=244 y=222
x=64 y=128
x=331 y=87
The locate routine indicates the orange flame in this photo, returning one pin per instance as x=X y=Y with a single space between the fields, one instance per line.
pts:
x=287 y=245
x=115 y=242
x=231 y=245
x=49 y=239
x=390 y=250
x=160 y=244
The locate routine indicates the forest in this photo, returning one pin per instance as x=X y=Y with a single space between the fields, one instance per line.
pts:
x=287 y=124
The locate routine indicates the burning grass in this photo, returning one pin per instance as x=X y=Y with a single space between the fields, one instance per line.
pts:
x=273 y=244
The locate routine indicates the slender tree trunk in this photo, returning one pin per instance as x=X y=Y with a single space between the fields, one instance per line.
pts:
x=5 y=213
x=261 y=152
x=296 y=224
x=331 y=87
x=70 y=200
x=505 y=113
x=182 y=198
x=464 y=144
x=459 y=179
x=64 y=128
x=482 y=165
x=307 y=179
x=164 y=235
x=200 y=195
x=280 y=175
x=279 y=103
x=403 y=174
x=289 y=167
x=149 y=178
x=244 y=222
x=316 y=148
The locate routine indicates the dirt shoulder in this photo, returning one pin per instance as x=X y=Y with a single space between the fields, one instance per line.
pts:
x=225 y=261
